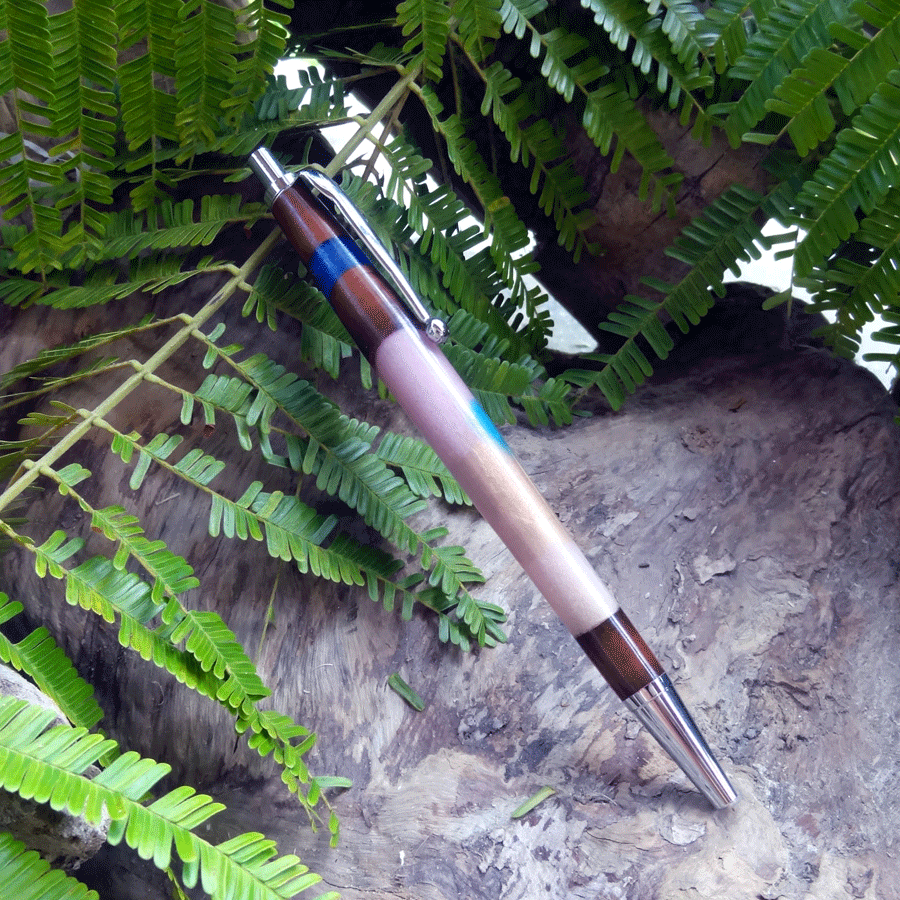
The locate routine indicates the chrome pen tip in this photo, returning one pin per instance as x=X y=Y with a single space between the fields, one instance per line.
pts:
x=661 y=711
x=270 y=173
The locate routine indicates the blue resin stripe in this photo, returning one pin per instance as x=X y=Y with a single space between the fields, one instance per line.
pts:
x=332 y=258
x=484 y=420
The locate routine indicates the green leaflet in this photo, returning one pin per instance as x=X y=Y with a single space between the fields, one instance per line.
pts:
x=212 y=661
x=399 y=686
x=562 y=194
x=670 y=49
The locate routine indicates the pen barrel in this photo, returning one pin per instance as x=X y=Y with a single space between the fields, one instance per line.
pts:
x=455 y=425
x=452 y=421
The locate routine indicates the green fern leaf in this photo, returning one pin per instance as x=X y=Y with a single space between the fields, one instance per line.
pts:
x=46 y=765
x=803 y=99
x=562 y=193
x=516 y=14
x=424 y=472
x=212 y=662
x=174 y=225
x=103 y=284
x=774 y=51
x=856 y=175
x=681 y=25
x=508 y=235
x=631 y=26
x=26 y=61
x=84 y=40
x=477 y=22
x=205 y=52
x=149 y=113
x=45 y=359
x=850 y=294
x=428 y=23
x=42 y=660
x=262 y=35
x=805 y=95
x=26 y=875
x=725 y=30
x=877 y=52
x=611 y=117
x=725 y=233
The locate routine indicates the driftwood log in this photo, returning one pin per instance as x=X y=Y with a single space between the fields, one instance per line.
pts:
x=745 y=510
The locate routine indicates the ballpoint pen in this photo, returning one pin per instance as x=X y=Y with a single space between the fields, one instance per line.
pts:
x=390 y=325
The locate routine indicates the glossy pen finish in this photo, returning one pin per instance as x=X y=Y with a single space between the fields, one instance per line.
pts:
x=452 y=421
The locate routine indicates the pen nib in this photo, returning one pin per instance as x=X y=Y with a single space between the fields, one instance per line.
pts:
x=662 y=712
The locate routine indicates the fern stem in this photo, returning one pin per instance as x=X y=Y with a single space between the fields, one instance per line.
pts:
x=367 y=124
x=181 y=337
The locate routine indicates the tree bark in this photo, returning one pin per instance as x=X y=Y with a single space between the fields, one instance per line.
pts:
x=744 y=508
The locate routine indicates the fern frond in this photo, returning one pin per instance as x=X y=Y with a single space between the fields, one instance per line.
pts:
x=851 y=294
x=856 y=175
x=610 y=118
x=46 y=359
x=779 y=46
x=724 y=234
x=45 y=663
x=426 y=24
x=175 y=225
x=26 y=60
x=84 y=39
x=890 y=335
x=877 y=52
x=103 y=284
x=205 y=64
x=424 y=472
x=149 y=112
x=28 y=876
x=631 y=25
x=46 y=766
x=562 y=193
x=516 y=14
x=681 y=24
x=805 y=96
x=212 y=661
x=262 y=34
x=477 y=22
x=508 y=236
x=725 y=31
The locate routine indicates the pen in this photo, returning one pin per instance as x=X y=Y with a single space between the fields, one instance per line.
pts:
x=394 y=331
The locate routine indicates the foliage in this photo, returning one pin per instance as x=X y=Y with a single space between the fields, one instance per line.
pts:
x=127 y=130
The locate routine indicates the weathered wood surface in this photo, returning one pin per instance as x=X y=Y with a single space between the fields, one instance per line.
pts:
x=744 y=509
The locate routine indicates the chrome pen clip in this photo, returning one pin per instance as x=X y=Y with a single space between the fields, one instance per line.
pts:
x=355 y=222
